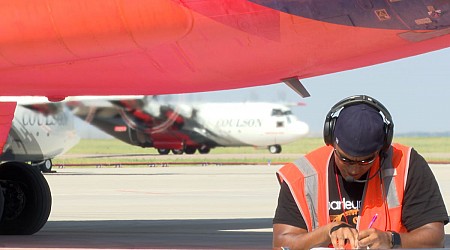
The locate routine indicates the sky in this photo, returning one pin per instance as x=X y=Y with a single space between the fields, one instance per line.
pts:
x=415 y=90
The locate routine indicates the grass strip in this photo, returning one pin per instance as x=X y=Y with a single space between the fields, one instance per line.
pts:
x=91 y=151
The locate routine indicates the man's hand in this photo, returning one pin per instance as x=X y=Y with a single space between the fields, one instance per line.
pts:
x=374 y=238
x=343 y=236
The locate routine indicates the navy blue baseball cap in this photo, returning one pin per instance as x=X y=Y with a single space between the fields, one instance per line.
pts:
x=359 y=130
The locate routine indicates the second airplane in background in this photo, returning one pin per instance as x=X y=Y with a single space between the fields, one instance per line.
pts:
x=187 y=128
x=40 y=131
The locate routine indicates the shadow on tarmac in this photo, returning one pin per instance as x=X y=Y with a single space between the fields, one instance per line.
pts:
x=191 y=234
x=156 y=234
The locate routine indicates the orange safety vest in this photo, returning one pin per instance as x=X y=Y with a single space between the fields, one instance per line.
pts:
x=307 y=179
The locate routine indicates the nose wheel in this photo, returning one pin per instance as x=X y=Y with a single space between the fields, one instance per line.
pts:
x=45 y=166
x=274 y=149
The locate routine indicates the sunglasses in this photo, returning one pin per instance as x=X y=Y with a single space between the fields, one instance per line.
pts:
x=347 y=161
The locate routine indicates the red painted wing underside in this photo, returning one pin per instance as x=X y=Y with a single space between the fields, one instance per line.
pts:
x=105 y=47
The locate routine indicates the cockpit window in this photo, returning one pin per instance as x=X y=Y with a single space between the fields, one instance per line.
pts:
x=277 y=112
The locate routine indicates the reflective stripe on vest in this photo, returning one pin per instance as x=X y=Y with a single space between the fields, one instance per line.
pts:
x=308 y=185
x=307 y=179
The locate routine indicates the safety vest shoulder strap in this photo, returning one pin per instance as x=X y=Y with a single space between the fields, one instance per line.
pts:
x=383 y=195
x=307 y=179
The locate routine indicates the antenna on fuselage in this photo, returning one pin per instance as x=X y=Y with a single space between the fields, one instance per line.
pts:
x=295 y=84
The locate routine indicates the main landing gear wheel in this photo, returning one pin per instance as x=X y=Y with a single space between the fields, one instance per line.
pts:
x=163 y=151
x=177 y=151
x=27 y=199
x=275 y=149
x=190 y=150
x=45 y=166
x=204 y=150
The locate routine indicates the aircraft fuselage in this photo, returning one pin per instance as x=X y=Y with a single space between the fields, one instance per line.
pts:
x=35 y=136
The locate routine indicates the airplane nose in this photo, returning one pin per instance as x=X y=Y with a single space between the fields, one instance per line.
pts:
x=302 y=128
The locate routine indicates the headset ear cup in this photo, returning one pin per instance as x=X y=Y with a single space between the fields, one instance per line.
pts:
x=389 y=136
x=328 y=130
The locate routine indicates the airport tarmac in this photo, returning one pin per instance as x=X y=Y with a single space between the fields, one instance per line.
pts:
x=175 y=207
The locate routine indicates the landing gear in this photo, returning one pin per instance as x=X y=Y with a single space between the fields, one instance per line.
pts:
x=45 y=166
x=275 y=149
x=177 y=151
x=190 y=150
x=27 y=199
x=204 y=150
x=163 y=151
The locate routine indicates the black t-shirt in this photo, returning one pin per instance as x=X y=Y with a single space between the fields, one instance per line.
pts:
x=422 y=201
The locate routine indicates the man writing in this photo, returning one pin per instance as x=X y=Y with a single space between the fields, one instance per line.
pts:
x=360 y=190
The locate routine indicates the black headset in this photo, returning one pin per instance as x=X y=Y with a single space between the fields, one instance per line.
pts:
x=330 y=120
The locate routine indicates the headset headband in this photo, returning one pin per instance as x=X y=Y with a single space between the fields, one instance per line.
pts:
x=331 y=118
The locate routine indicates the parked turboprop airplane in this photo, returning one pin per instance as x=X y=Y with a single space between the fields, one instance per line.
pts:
x=106 y=47
x=187 y=128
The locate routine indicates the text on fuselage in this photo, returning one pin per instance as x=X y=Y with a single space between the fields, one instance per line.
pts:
x=32 y=119
x=239 y=123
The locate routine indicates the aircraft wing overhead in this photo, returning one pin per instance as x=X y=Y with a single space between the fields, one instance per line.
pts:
x=105 y=47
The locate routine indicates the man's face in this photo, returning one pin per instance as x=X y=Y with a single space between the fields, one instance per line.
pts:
x=351 y=166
